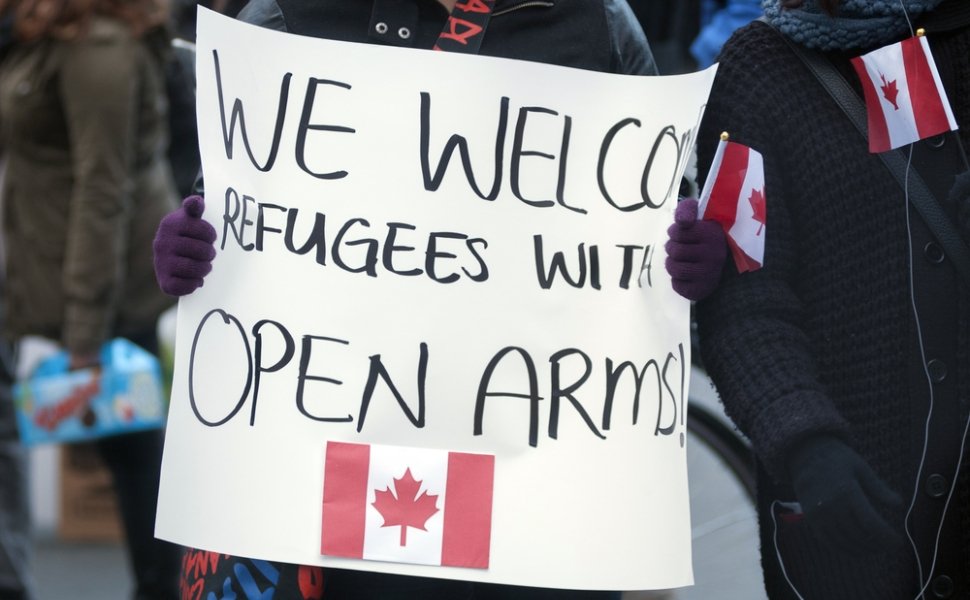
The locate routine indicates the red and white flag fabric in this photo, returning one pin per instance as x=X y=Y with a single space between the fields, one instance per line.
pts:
x=905 y=99
x=409 y=505
x=734 y=196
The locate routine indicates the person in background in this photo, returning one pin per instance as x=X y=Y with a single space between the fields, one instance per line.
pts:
x=184 y=11
x=84 y=127
x=16 y=582
x=845 y=358
x=719 y=19
x=671 y=26
x=600 y=35
x=686 y=35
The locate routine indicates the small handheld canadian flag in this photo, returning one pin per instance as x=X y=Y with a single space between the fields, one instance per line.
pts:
x=411 y=505
x=734 y=196
x=905 y=99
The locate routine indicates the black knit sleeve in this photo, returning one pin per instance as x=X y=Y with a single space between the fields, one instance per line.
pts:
x=752 y=329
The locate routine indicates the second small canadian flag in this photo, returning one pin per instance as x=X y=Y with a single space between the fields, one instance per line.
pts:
x=905 y=98
x=412 y=505
x=734 y=196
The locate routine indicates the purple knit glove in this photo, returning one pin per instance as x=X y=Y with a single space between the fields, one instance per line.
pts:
x=696 y=251
x=184 y=248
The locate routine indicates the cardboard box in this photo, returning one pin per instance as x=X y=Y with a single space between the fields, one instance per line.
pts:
x=123 y=395
x=89 y=506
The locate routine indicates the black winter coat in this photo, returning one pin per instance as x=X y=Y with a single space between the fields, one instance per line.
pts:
x=599 y=35
x=823 y=339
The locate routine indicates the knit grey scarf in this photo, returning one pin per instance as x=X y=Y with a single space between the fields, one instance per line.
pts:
x=859 y=24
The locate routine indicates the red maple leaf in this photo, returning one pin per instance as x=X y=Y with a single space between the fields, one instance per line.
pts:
x=889 y=91
x=757 y=201
x=407 y=509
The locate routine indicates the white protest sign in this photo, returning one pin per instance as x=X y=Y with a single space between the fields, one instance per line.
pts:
x=475 y=269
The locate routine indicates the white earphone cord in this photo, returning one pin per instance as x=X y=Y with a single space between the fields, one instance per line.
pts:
x=923 y=581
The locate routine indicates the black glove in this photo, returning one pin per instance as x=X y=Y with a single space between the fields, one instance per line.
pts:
x=842 y=497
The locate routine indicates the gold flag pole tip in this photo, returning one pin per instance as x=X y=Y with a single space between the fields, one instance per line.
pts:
x=920 y=32
x=724 y=136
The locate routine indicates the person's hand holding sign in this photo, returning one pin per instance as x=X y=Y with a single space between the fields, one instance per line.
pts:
x=696 y=251
x=184 y=248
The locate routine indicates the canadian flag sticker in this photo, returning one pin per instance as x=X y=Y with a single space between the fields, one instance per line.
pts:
x=410 y=505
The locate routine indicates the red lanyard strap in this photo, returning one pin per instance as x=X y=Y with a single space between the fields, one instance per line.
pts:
x=465 y=28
